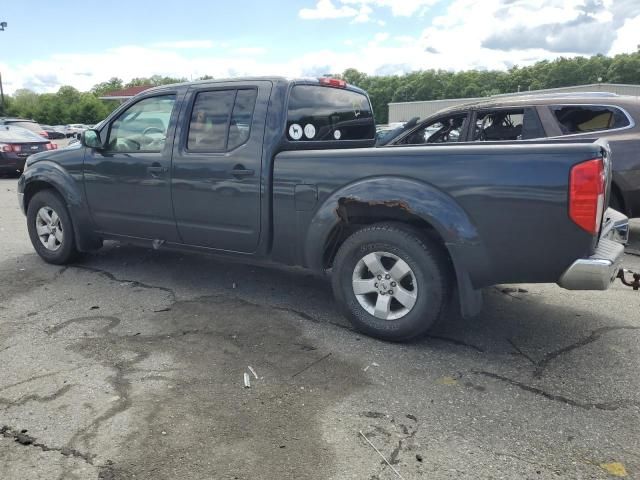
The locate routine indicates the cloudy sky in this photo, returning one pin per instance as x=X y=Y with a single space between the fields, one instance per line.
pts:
x=48 y=44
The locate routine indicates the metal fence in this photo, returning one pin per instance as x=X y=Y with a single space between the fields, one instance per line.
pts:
x=403 y=111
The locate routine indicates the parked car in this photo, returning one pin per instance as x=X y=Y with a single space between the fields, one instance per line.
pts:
x=32 y=125
x=52 y=132
x=64 y=129
x=402 y=230
x=386 y=133
x=76 y=128
x=529 y=117
x=16 y=144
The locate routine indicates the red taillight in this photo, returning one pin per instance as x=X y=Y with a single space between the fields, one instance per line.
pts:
x=332 y=82
x=8 y=148
x=51 y=146
x=586 y=194
x=44 y=134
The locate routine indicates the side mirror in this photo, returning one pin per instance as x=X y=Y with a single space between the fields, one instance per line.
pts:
x=91 y=139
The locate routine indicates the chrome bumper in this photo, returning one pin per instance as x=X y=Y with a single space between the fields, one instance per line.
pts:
x=599 y=270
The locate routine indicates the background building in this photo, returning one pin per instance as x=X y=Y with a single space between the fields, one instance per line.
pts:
x=403 y=111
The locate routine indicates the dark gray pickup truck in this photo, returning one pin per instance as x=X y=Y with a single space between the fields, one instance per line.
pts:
x=283 y=171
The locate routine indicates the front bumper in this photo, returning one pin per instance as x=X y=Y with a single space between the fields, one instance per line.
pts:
x=600 y=270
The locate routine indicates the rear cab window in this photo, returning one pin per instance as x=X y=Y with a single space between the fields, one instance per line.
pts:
x=576 y=119
x=321 y=116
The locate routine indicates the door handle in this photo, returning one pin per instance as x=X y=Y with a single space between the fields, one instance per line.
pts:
x=239 y=171
x=156 y=170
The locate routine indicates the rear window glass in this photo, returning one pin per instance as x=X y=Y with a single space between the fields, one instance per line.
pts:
x=318 y=113
x=588 y=118
x=33 y=126
x=15 y=135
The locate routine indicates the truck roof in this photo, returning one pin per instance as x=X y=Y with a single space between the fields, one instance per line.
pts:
x=274 y=79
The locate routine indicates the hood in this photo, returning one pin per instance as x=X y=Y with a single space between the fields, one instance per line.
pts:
x=72 y=151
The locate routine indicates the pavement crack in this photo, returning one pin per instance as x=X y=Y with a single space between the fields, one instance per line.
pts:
x=521 y=352
x=542 y=364
x=36 y=377
x=122 y=387
x=133 y=283
x=21 y=437
x=303 y=315
x=455 y=341
x=608 y=406
x=34 y=397
x=311 y=365
x=113 y=322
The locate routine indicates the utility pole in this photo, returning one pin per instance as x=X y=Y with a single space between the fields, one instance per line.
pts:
x=3 y=25
x=1 y=95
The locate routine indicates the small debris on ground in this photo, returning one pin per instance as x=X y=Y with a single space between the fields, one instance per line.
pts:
x=247 y=380
x=95 y=307
x=447 y=381
x=616 y=469
x=374 y=364
x=253 y=371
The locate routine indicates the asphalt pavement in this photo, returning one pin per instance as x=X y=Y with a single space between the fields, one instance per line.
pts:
x=131 y=364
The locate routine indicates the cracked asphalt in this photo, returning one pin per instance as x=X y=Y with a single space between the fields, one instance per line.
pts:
x=130 y=364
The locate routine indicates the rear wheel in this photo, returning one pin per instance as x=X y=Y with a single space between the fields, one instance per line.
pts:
x=50 y=228
x=390 y=281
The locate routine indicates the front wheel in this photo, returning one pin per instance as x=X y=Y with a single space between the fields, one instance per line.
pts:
x=50 y=228
x=390 y=281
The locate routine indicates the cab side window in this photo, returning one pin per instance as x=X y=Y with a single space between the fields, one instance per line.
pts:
x=142 y=127
x=444 y=130
x=221 y=120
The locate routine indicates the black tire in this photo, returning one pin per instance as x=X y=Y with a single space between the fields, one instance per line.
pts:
x=428 y=266
x=66 y=250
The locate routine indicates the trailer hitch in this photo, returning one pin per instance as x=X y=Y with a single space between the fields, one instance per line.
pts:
x=635 y=283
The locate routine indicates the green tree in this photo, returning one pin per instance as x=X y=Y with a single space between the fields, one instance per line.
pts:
x=625 y=68
x=114 y=83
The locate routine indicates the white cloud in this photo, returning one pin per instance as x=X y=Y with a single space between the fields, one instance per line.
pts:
x=628 y=39
x=250 y=51
x=378 y=39
x=326 y=9
x=364 y=14
x=399 y=8
x=469 y=34
x=186 y=44
x=361 y=10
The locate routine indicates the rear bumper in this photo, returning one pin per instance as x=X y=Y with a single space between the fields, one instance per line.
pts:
x=11 y=164
x=600 y=270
